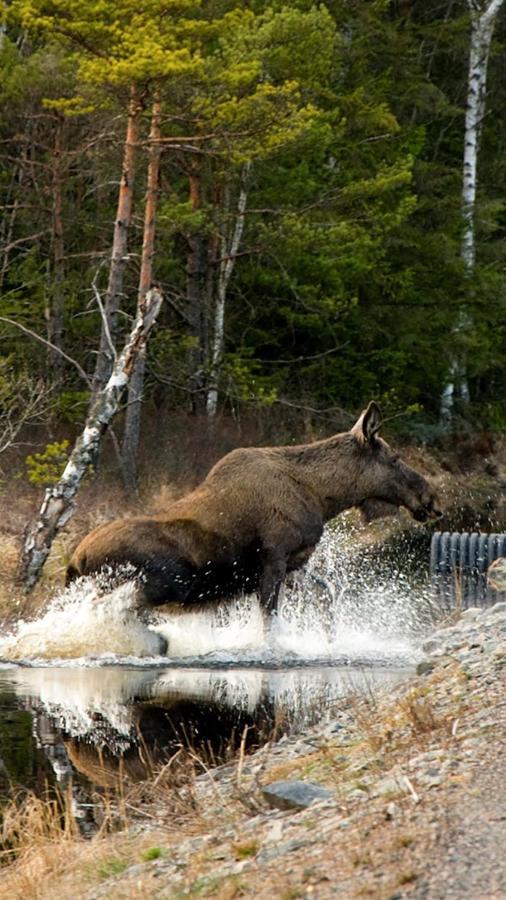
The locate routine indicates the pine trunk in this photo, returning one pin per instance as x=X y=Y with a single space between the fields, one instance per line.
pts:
x=119 y=245
x=58 y=505
x=135 y=388
x=197 y=294
x=56 y=309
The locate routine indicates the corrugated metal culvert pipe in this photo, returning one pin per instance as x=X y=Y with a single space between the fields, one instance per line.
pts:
x=460 y=568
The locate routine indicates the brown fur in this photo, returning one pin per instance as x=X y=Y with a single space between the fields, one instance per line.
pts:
x=259 y=513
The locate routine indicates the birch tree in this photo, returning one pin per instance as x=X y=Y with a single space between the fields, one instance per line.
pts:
x=229 y=249
x=483 y=19
x=58 y=504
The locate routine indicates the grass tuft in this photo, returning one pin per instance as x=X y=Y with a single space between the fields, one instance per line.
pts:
x=152 y=853
x=114 y=865
x=243 y=851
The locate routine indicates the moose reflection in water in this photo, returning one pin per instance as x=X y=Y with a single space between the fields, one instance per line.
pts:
x=94 y=728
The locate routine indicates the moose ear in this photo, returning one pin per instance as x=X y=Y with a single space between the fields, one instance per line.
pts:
x=369 y=423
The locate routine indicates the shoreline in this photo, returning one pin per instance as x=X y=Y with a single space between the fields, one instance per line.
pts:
x=401 y=770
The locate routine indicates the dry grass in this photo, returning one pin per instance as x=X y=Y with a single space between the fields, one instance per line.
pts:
x=419 y=713
x=40 y=842
x=67 y=868
x=28 y=820
x=10 y=596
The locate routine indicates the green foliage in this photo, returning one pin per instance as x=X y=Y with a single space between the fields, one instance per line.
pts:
x=348 y=281
x=46 y=468
x=245 y=383
x=71 y=406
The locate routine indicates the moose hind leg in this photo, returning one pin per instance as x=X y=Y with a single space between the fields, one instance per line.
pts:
x=274 y=571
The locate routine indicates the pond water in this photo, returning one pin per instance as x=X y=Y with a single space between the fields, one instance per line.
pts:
x=94 y=690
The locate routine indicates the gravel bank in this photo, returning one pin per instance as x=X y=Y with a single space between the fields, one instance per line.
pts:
x=411 y=798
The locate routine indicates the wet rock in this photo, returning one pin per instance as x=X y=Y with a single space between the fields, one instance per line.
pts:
x=497 y=608
x=425 y=667
x=294 y=794
x=472 y=612
x=271 y=853
x=432 y=645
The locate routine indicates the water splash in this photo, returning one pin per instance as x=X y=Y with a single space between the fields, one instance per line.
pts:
x=342 y=606
x=84 y=622
x=237 y=626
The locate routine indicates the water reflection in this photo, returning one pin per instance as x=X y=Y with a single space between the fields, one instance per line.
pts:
x=104 y=725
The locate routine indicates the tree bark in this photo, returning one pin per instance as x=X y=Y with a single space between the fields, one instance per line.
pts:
x=136 y=385
x=197 y=293
x=56 y=308
x=229 y=251
x=120 y=243
x=58 y=505
x=483 y=18
x=9 y=221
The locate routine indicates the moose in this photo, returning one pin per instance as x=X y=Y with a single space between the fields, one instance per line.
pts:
x=258 y=515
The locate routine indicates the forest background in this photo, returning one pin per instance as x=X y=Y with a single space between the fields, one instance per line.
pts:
x=291 y=176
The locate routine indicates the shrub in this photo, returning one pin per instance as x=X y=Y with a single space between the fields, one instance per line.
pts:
x=45 y=468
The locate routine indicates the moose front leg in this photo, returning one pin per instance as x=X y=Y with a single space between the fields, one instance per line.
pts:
x=271 y=579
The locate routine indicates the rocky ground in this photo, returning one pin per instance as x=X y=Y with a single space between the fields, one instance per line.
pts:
x=398 y=795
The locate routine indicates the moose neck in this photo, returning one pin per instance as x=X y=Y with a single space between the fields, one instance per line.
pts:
x=328 y=469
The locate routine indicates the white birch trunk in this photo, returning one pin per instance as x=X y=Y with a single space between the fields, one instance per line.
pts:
x=483 y=19
x=228 y=257
x=58 y=505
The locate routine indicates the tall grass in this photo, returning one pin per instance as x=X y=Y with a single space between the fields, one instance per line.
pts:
x=41 y=844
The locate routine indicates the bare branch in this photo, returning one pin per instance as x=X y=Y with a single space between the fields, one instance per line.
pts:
x=296 y=359
x=105 y=323
x=24 y=240
x=22 y=402
x=41 y=340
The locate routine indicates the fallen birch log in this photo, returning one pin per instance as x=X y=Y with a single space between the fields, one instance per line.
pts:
x=58 y=505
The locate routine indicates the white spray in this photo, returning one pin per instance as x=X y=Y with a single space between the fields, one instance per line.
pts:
x=336 y=609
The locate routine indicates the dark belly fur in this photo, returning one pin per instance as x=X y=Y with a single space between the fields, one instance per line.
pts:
x=175 y=580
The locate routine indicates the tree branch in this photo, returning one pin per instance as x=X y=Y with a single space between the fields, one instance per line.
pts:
x=47 y=343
